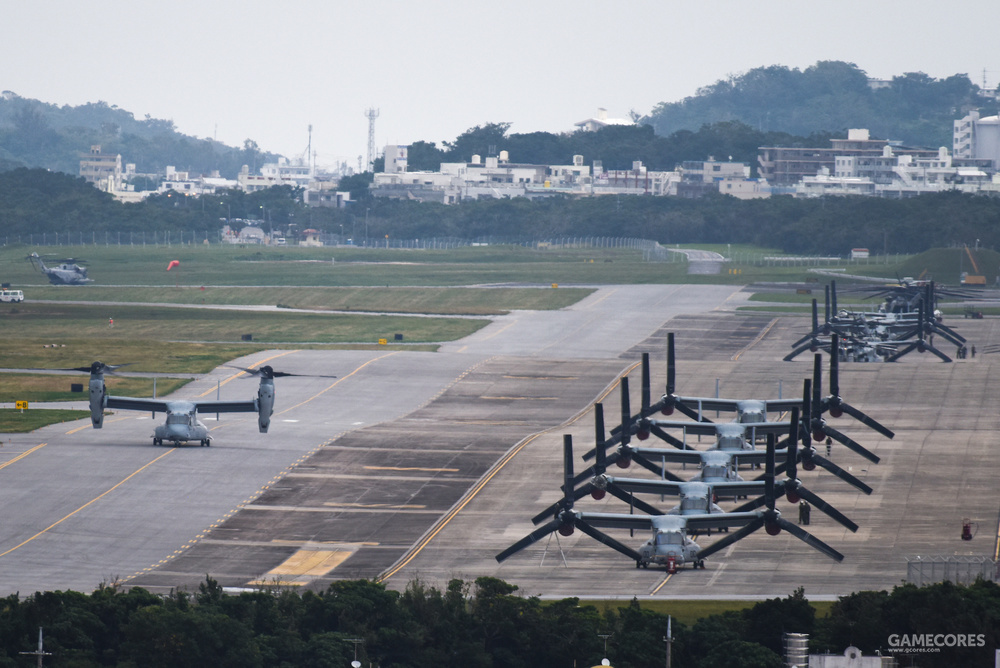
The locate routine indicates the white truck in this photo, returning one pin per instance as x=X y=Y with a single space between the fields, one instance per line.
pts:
x=8 y=295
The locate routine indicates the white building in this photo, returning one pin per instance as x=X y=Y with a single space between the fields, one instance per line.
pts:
x=977 y=138
x=601 y=121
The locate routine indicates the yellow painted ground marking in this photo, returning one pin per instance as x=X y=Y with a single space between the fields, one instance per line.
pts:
x=106 y=421
x=339 y=380
x=522 y=398
x=92 y=501
x=665 y=581
x=410 y=506
x=310 y=563
x=22 y=455
x=502 y=329
x=408 y=468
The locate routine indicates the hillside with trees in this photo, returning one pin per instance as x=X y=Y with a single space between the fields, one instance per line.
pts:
x=37 y=134
x=829 y=97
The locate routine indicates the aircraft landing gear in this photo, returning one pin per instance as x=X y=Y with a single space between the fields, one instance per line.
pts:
x=205 y=443
x=157 y=441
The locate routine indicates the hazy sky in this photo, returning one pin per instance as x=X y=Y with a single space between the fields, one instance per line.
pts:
x=266 y=70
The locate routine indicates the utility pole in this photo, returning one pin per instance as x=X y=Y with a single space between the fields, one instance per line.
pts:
x=40 y=652
x=669 y=639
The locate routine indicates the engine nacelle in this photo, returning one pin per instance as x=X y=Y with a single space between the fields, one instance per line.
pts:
x=265 y=404
x=667 y=410
x=772 y=528
x=808 y=465
x=642 y=434
x=623 y=462
x=792 y=496
x=836 y=411
x=597 y=494
x=566 y=529
x=98 y=401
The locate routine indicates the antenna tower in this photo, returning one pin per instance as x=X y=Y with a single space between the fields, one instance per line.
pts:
x=371 y=115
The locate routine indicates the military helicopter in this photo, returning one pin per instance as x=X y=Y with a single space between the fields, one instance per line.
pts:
x=182 y=424
x=67 y=273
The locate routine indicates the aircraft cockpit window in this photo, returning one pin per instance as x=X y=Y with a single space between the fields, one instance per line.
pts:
x=177 y=418
x=672 y=538
x=694 y=503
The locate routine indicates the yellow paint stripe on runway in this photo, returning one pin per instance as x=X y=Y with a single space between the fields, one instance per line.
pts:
x=22 y=455
x=408 y=468
x=106 y=421
x=89 y=503
x=339 y=380
x=660 y=586
x=310 y=563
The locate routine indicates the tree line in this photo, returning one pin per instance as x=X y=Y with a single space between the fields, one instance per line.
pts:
x=36 y=202
x=479 y=624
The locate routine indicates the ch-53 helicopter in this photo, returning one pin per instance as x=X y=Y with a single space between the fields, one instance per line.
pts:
x=182 y=424
x=67 y=273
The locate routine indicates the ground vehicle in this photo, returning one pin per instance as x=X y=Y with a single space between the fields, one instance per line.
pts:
x=8 y=295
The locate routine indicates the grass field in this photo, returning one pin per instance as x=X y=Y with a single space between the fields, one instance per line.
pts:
x=689 y=612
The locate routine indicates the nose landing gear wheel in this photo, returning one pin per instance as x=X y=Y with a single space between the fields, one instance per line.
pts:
x=157 y=441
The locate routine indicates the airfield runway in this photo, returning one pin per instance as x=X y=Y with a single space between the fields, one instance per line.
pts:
x=425 y=465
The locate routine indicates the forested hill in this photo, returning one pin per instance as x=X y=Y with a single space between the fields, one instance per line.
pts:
x=37 y=134
x=830 y=96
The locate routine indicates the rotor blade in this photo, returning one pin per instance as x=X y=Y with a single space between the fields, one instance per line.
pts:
x=792 y=450
x=834 y=365
x=633 y=500
x=626 y=426
x=672 y=440
x=567 y=464
x=731 y=538
x=930 y=348
x=607 y=540
x=826 y=508
x=804 y=347
x=532 y=537
x=866 y=420
x=903 y=351
x=809 y=539
x=653 y=468
x=850 y=443
x=577 y=494
x=644 y=406
x=752 y=504
x=670 y=363
x=600 y=447
x=841 y=473
x=815 y=327
x=690 y=412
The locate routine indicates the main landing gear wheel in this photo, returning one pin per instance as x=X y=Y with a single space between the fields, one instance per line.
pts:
x=205 y=443
x=157 y=441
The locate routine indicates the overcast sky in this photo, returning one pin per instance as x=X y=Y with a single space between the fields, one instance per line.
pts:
x=266 y=70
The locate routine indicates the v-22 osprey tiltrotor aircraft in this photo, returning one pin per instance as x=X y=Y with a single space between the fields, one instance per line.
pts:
x=182 y=425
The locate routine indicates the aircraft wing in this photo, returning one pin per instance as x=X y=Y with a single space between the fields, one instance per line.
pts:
x=133 y=404
x=619 y=520
x=719 y=520
x=650 y=486
x=699 y=428
x=226 y=406
x=737 y=488
x=702 y=404
x=676 y=456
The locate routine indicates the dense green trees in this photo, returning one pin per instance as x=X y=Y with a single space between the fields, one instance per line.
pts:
x=829 y=97
x=37 y=202
x=483 y=624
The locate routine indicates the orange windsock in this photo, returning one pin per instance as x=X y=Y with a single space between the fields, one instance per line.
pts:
x=173 y=263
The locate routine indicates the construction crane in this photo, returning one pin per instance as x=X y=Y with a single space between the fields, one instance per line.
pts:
x=975 y=279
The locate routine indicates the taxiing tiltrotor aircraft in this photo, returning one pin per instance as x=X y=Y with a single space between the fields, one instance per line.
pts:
x=68 y=272
x=182 y=424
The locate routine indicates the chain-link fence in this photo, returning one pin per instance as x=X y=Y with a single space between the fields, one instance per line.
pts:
x=959 y=570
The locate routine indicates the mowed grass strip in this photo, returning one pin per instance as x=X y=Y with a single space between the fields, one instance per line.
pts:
x=438 y=301
x=49 y=387
x=56 y=322
x=13 y=421
x=140 y=355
